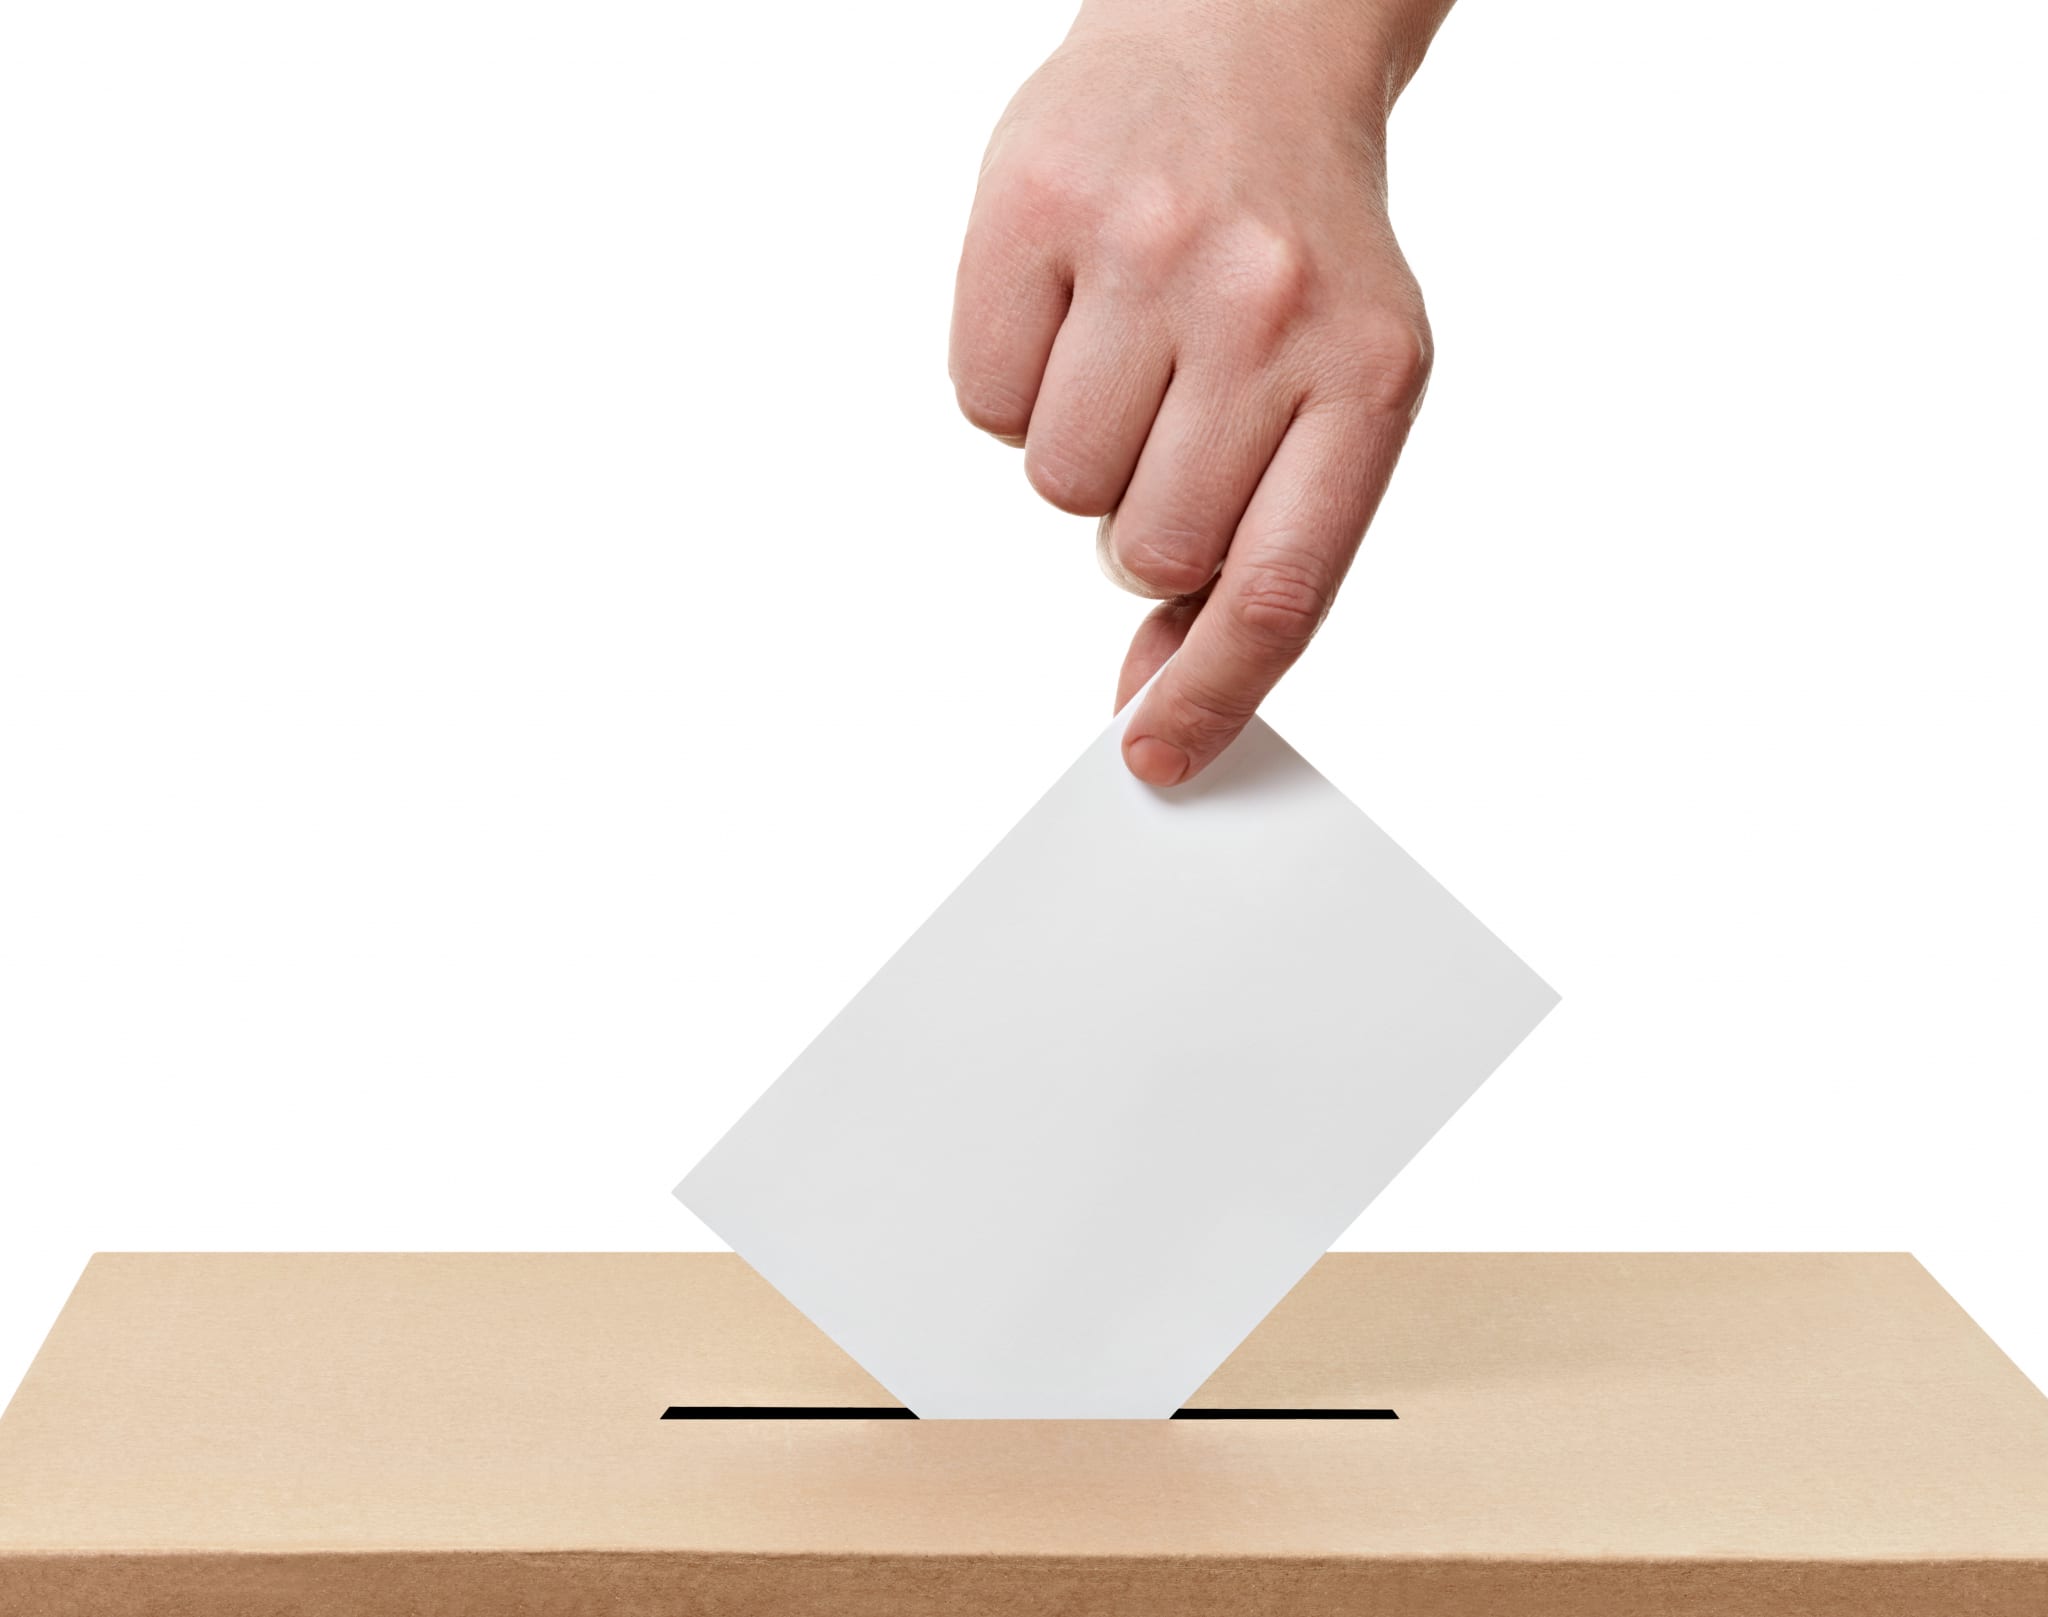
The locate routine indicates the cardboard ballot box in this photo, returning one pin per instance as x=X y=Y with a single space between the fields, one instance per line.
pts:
x=224 y=1436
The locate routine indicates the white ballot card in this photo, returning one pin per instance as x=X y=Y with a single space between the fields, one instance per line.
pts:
x=1121 y=1090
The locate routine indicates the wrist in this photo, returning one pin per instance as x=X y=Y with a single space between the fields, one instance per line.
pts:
x=1365 y=51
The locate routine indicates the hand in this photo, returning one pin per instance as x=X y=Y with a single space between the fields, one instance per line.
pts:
x=1181 y=297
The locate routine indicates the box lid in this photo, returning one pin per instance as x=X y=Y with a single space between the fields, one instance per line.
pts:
x=230 y=1430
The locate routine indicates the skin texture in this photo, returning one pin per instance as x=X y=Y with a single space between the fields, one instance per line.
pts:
x=1181 y=297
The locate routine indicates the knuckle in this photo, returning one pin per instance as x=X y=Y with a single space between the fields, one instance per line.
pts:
x=1202 y=718
x=1268 y=277
x=1148 y=236
x=1038 y=191
x=1164 y=560
x=1389 y=361
x=1279 y=605
x=992 y=408
x=1065 y=481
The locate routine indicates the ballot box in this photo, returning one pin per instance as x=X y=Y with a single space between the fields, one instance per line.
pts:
x=1571 y=1435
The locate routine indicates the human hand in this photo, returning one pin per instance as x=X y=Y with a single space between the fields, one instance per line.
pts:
x=1181 y=297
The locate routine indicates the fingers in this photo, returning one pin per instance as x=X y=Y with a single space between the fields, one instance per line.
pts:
x=1157 y=639
x=1108 y=370
x=1288 y=557
x=1075 y=381
x=1168 y=534
x=1008 y=301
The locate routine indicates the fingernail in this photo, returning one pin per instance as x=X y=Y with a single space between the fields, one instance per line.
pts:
x=1156 y=762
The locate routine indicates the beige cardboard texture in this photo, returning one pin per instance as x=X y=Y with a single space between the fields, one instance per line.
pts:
x=229 y=1435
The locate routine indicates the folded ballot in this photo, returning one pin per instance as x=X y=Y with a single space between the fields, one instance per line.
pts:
x=1119 y=1092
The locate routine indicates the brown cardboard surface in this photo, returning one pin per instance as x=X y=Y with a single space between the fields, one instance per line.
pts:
x=1585 y=1434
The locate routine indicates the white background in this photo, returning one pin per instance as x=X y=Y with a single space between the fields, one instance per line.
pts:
x=501 y=630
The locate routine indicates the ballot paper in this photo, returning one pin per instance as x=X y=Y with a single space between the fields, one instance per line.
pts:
x=1104 y=1108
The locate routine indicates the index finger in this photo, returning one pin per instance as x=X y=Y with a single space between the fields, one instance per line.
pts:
x=1289 y=555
